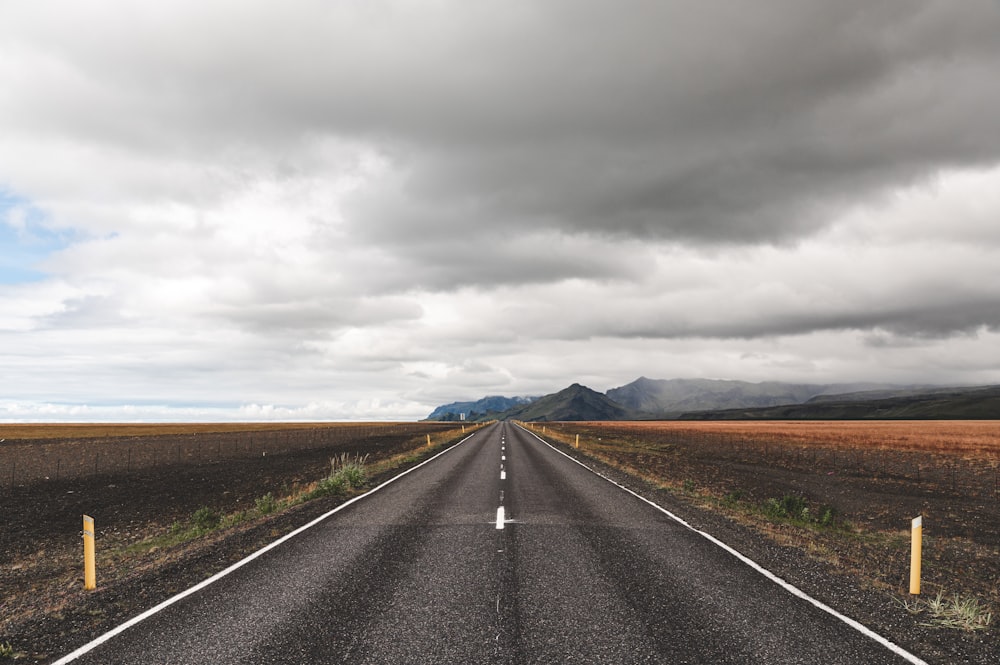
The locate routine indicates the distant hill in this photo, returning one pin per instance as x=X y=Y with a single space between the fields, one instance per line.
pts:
x=482 y=409
x=707 y=399
x=670 y=398
x=573 y=403
x=979 y=403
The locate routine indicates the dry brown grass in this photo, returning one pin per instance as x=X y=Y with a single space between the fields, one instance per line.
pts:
x=980 y=438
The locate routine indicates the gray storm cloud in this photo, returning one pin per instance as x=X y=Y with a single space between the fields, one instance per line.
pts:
x=412 y=191
x=718 y=123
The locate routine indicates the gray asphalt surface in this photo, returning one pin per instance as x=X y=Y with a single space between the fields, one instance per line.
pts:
x=419 y=572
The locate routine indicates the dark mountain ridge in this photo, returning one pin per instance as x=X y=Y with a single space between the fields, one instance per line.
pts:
x=478 y=410
x=706 y=399
x=672 y=397
x=978 y=403
x=576 y=402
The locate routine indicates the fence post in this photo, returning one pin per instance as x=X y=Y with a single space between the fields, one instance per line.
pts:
x=89 y=558
x=916 y=545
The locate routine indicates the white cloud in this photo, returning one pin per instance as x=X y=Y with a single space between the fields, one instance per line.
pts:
x=364 y=210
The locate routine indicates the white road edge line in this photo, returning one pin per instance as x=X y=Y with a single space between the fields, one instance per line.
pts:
x=787 y=586
x=90 y=646
x=500 y=517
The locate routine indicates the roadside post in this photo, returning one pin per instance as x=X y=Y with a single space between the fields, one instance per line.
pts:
x=577 y=440
x=428 y=440
x=89 y=562
x=916 y=545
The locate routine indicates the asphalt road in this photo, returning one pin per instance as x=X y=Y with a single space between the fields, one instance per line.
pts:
x=428 y=570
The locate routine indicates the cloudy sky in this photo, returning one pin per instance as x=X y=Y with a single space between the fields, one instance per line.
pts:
x=316 y=209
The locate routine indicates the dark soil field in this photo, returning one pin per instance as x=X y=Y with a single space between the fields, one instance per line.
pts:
x=172 y=473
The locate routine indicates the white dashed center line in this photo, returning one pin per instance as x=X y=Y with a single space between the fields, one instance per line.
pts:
x=503 y=476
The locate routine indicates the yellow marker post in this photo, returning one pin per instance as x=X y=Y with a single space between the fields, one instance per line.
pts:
x=577 y=440
x=428 y=439
x=89 y=562
x=463 y=429
x=916 y=545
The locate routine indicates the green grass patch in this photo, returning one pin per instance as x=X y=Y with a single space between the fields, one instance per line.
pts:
x=733 y=499
x=205 y=519
x=789 y=509
x=795 y=509
x=266 y=504
x=8 y=652
x=347 y=475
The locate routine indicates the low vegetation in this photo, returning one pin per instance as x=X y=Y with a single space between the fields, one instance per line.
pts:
x=955 y=611
x=792 y=509
x=348 y=476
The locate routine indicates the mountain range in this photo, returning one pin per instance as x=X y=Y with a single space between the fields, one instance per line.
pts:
x=482 y=409
x=648 y=399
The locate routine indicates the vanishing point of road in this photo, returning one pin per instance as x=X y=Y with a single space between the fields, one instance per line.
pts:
x=499 y=550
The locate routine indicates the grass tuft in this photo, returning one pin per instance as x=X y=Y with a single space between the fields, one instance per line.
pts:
x=966 y=613
x=795 y=509
x=347 y=474
x=352 y=471
x=205 y=519
x=266 y=504
x=732 y=499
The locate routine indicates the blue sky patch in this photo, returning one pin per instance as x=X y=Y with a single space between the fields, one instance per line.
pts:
x=25 y=240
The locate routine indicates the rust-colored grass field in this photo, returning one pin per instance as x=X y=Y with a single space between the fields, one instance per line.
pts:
x=975 y=438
